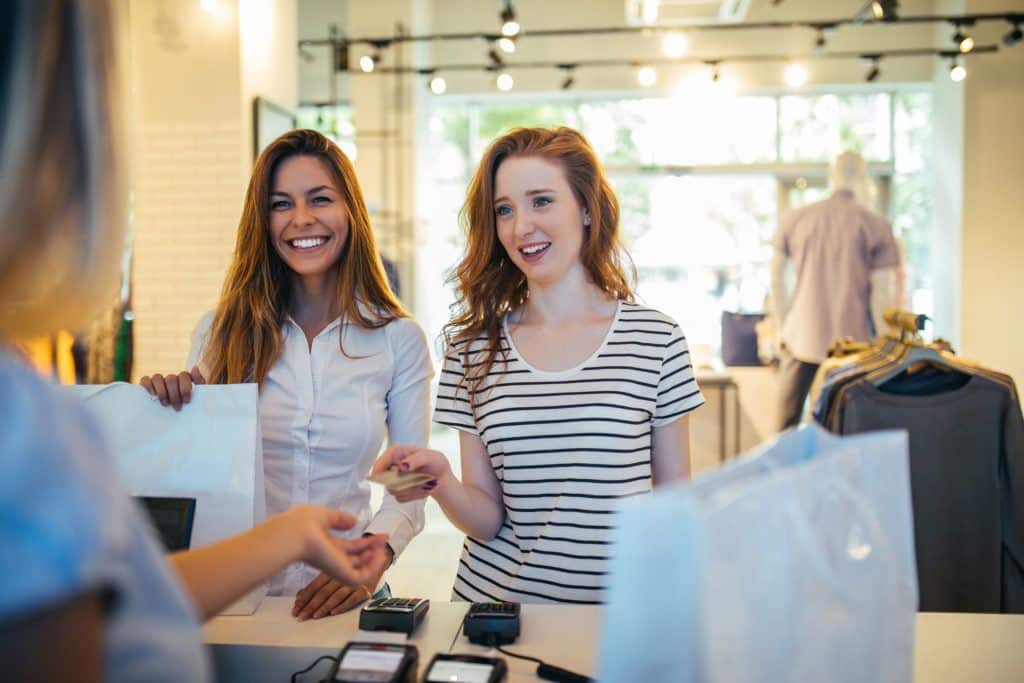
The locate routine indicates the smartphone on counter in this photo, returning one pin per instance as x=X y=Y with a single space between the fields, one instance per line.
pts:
x=375 y=663
x=445 y=668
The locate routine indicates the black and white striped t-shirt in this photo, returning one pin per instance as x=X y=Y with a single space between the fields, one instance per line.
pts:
x=566 y=447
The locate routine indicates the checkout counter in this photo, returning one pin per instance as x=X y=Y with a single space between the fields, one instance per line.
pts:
x=271 y=645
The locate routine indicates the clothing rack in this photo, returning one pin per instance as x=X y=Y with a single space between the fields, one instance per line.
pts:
x=966 y=437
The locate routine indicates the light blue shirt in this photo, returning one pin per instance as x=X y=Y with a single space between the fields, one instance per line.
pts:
x=68 y=528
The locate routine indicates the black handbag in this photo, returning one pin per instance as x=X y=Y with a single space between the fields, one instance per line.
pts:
x=739 y=338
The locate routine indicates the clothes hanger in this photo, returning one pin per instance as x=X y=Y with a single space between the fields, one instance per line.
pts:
x=913 y=351
x=912 y=354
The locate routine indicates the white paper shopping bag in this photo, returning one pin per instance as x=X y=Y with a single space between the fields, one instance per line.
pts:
x=795 y=563
x=211 y=451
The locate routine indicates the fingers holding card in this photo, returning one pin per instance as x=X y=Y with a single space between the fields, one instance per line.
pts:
x=395 y=480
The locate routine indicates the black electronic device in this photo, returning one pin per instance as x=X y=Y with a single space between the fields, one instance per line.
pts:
x=445 y=668
x=402 y=615
x=492 y=623
x=172 y=518
x=375 y=663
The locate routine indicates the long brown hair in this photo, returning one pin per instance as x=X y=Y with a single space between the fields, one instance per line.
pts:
x=488 y=285
x=245 y=339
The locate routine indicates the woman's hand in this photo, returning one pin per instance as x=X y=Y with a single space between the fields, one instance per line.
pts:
x=173 y=390
x=415 y=459
x=325 y=596
x=217 y=574
x=351 y=563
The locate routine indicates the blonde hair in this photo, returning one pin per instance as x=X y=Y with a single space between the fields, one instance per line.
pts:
x=62 y=217
x=245 y=340
x=849 y=172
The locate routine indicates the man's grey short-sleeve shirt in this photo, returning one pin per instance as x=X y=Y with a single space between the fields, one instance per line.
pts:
x=834 y=245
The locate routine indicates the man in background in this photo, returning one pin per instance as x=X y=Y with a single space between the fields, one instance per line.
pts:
x=845 y=261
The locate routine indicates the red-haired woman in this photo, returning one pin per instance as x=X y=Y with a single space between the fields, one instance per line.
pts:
x=567 y=394
x=306 y=312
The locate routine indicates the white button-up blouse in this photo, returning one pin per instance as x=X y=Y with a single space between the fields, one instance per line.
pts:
x=323 y=415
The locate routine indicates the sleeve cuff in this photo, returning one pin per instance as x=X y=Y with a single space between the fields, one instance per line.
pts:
x=684 y=407
x=396 y=525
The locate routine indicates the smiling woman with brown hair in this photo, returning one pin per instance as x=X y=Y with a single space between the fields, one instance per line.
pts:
x=568 y=396
x=286 y=264
x=307 y=314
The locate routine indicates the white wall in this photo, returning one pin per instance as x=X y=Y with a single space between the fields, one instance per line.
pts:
x=992 y=326
x=192 y=77
x=187 y=132
x=947 y=188
x=269 y=61
x=978 y=164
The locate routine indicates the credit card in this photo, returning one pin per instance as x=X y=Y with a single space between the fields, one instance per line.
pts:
x=394 y=480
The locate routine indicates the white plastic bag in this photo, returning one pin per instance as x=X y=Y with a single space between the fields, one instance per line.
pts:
x=211 y=451
x=795 y=563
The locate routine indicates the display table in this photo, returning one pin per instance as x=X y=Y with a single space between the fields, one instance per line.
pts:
x=723 y=383
x=271 y=645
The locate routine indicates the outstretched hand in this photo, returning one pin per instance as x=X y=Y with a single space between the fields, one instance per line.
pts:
x=325 y=596
x=350 y=562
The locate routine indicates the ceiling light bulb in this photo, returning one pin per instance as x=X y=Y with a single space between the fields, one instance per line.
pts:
x=646 y=76
x=967 y=44
x=438 y=85
x=674 y=45
x=796 y=75
x=885 y=10
x=509 y=25
x=367 y=63
x=504 y=82
x=958 y=73
x=507 y=45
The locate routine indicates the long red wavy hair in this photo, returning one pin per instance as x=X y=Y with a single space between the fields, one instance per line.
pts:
x=245 y=339
x=487 y=284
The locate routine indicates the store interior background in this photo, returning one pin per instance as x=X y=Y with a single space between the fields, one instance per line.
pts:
x=702 y=169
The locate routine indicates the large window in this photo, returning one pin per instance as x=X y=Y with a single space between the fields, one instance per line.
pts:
x=702 y=179
x=816 y=128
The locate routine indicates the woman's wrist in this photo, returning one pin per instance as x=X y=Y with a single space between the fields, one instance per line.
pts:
x=447 y=484
x=289 y=531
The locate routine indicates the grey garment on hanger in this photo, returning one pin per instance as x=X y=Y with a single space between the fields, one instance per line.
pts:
x=967 y=485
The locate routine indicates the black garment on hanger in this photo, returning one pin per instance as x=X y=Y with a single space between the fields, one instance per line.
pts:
x=967 y=483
